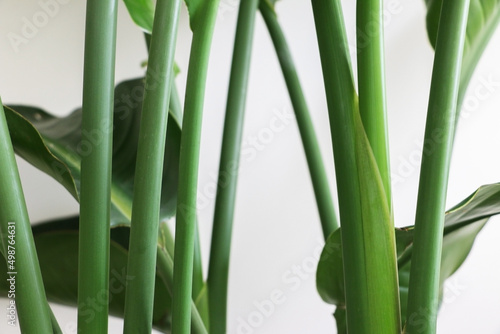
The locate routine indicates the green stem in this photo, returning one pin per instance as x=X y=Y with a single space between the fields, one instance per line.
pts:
x=188 y=166
x=372 y=304
x=166 y=272
x=18 y=246
x=324 y=199
x=198 y=281
x=423 y=292
x=97 y=128
x=218 y=269
x=149 y=170
x=371 y=83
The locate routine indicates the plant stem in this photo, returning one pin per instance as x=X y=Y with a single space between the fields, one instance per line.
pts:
x=149 y=171
x=166 y=272
x=218 y=269
x=176 y=108
x=324 y=199
x=18 y=246
x=97 y=128
x=188 y=166
x=368 y=248
x=198 y=280
x=371 y=83
x=429 y=222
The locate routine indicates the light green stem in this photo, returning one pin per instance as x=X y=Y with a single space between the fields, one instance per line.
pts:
x=371 y=83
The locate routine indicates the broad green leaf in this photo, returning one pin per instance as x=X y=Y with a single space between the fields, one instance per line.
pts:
x=462 y=224
x=55 y=146
x=142 y=13
x=484 y=16
x=57 y=248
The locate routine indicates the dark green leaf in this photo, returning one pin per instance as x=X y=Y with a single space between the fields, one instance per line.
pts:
x=462 y=225
x=57 y=249
x=29 y=144
x=55 y=145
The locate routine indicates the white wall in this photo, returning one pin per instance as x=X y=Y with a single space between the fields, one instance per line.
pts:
x=277 y=226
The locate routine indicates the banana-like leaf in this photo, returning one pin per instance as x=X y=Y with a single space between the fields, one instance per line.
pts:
x=142 y=13
x=57 y=249
x=462 y=225
x=55 y=146
x=484 y=16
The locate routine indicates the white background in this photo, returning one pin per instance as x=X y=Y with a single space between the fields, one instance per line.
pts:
x=276 y=222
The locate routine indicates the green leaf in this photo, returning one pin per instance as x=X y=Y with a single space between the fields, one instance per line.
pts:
x=142 y=13
x=484 y=16
x=30 y=145
x=462 y=225
x=55 y=146
x=57 y=249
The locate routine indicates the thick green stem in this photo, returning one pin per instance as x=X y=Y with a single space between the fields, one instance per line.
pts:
x=368 y=248
x=149 y=170
x=324 y=199
x=18 y=247
x=96 y=145
x=371 y=83
x=188 y=165
x=423 y=294
x=228 y=169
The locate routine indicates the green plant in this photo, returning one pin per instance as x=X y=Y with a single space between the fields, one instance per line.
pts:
x=134 y=166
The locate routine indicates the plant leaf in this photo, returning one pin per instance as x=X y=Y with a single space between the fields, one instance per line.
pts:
x=30 y=145
x=142 y=13
x=462 y=225
x=57 y=249
x=484 y=16
x=55 y=146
